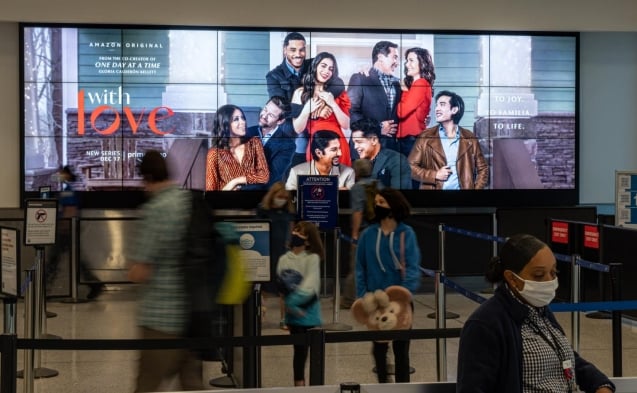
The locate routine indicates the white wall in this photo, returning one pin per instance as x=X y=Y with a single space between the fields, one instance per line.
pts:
x=565 y=15
x=608 y=109
x=9 y=116
x=608 y=76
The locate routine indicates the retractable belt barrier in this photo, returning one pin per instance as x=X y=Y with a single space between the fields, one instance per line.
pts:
x=315 y=338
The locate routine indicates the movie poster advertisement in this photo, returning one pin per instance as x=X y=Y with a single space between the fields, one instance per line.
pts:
x=97 y=98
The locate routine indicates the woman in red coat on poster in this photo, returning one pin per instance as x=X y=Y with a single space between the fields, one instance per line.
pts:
x=415 y=100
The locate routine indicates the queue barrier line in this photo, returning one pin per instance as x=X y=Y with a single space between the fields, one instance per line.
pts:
x=618 y=305
x=600 y=267
x=234 y=341
x=477 y=235
x=555 y=307
x=455 y=286
x=315 y=338
x=461 y=290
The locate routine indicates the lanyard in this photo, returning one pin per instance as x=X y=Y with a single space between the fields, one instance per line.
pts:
x=568 y=367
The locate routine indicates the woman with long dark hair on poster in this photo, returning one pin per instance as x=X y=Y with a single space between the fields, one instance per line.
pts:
x=236 y=161
x=415 y=100
x=318 y=102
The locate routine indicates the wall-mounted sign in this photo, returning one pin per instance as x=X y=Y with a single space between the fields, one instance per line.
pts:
x=10 y=260
x=626 y=199
x=40 y=219
x=318 y=200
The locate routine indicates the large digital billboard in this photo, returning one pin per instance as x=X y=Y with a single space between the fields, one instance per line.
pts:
x=451 y=118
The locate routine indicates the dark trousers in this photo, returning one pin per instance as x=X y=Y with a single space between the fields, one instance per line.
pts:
x=401 y=360
x=300 y=353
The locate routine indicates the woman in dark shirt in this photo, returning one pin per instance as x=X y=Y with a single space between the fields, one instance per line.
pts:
x=512 y=343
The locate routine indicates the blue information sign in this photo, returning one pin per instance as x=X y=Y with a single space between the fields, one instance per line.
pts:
x=318 y=200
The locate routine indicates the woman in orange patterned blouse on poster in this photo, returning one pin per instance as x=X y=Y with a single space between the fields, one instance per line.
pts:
x=235 y=162
x=321 y=110
x=415 y=100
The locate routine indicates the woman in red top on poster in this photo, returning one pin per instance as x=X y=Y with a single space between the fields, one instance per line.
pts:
x=321 y=110
x=415 y=100
x=235 y=162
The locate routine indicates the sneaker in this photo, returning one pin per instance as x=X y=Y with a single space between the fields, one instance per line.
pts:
x=282 y=325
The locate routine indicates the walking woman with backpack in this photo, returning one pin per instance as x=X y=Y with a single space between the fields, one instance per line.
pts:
x=388 y=254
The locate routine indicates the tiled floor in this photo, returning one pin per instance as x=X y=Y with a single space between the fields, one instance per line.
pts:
x=112 y=316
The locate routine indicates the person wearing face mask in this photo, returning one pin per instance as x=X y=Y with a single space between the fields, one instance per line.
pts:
x=299 y=276
x=388 y=254
x=513 y=343
x=276 y=206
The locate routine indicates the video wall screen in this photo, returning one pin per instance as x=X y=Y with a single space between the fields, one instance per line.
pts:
x=438 y=114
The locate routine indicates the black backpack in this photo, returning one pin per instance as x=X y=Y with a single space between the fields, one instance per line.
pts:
x=204 y=268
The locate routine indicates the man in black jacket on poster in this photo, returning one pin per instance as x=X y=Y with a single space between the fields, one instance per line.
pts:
x=376 y=95
x=283 y=79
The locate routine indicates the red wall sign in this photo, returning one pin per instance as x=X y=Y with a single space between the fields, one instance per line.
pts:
x=559 y=232
x=591 y=236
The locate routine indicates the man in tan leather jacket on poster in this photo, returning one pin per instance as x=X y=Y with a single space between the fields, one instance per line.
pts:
x=446 y=156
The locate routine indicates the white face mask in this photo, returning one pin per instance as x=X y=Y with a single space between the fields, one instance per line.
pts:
x=279 y=202
x=538 y=293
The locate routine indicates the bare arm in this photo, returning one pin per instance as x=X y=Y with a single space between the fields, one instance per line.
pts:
x=341 y=116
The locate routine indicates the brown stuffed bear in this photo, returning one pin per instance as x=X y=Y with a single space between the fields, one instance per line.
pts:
x=384 y=310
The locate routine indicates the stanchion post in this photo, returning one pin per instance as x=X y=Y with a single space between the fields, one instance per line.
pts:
x=75 y=274
x=29 y=330
x=75 y=263
x=441 y=323
x=10 y=314
x=317 y=356
x=337 y=273
x=39 y=294
x=441 y=247
x=36 y=280
x=575 y=298
x=441 y=268
x=251 y=319
x=615 y=283
x=335 y=325
x=9 y=363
